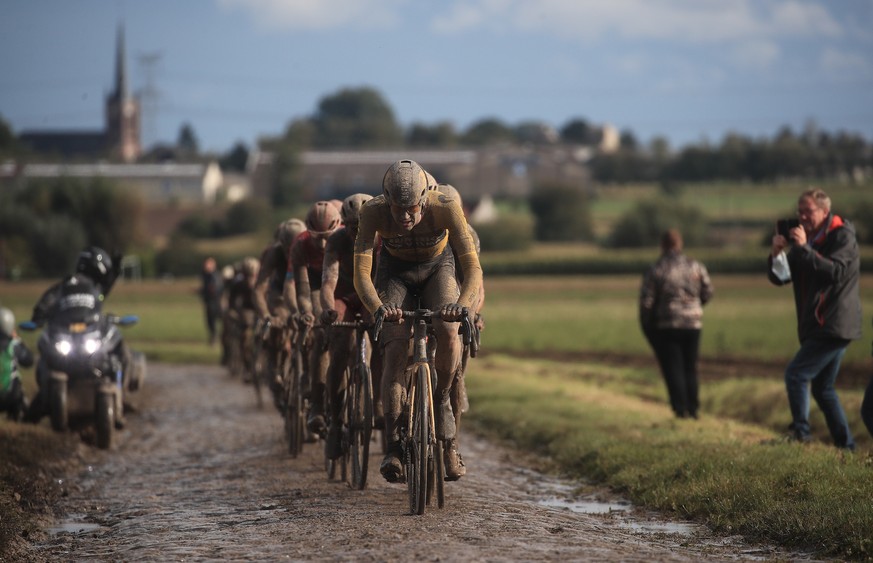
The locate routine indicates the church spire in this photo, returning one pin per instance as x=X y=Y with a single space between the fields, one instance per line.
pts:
x=121 y=91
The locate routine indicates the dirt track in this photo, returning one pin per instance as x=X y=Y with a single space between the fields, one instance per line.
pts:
x=202 y=474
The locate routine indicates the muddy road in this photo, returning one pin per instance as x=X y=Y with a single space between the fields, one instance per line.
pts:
x=201 y=473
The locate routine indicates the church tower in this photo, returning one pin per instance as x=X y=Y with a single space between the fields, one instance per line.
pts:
x=122 y=112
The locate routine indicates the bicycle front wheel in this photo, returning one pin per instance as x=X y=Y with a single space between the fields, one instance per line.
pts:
x=418 y=450
x=294 y=415
x=360 y=424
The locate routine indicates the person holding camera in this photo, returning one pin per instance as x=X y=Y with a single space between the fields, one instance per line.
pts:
x=672 y=296
x=819 y=256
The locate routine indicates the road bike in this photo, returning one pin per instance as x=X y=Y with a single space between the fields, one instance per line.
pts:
x=271 y=355
x=423 y=461
x=295 y=400
x=357 y=413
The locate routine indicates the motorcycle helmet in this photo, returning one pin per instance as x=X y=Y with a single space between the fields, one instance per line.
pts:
x=323 y=218
x=7 y=322
x=405 y=184
x=352 y=207
x=288 y=231
x=95 y=263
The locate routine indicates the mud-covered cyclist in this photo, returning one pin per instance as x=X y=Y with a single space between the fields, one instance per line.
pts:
x=419 y=229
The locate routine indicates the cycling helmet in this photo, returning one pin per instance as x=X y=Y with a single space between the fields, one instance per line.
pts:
x=431 y=181
x=250 y=267
x=337 y=203
x=7 y=322
x=288 y=231
x=323 y=218
x=405 y=184
x=352 y=207
x=95 y=263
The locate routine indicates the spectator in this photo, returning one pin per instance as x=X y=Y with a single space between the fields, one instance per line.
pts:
x=673 y=293
x=867 y=407
x=13 y=355
x=823 y=264
x=210 y=293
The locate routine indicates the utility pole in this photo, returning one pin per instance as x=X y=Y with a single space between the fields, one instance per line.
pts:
x=149 y=98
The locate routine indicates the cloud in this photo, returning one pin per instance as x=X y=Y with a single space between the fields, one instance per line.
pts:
x=318 y=15
x=755 y=54
x=835 y=61
x=689 y=21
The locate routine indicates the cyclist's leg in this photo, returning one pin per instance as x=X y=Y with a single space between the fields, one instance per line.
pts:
x=394 y=349
x=341 y=341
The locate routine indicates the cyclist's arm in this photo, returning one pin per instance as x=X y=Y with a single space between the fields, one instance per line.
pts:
x=364 y=259
x=329 y=277
x=259 y=293
x=462 y=243
x=304 y=295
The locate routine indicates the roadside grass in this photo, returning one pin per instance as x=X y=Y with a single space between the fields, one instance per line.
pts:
x=736 y=477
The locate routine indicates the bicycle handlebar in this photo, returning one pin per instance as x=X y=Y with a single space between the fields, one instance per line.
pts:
x=426 y=314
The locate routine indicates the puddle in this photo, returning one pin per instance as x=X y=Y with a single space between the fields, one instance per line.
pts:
x=73 y=528
x=586 y=506
x=660 y=527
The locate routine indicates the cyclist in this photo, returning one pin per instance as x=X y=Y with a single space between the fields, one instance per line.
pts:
x=269 y=302
x=307 y=261
x=339 y=301
x=241 y=311
x=421 y=231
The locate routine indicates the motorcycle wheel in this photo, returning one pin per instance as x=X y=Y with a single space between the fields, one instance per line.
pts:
x=105 y=419
x=58 y=402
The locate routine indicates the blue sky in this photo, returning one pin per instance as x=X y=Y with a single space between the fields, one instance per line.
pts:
x=237 y=70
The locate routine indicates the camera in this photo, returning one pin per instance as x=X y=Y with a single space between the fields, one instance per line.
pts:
x=783 y=226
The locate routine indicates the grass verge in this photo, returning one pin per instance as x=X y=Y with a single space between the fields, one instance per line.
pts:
x=738 y=478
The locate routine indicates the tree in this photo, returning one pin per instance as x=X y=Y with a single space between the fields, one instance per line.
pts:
x=643 y=225
x=535 y=133
x=187 y=141
x=236 y=159
x=562 y=213
x=440 y=135
x=578 y=131
x=489 y=131
x=356 y=117
x=8 y=141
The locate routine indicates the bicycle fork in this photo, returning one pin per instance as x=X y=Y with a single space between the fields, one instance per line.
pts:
x=420 y=359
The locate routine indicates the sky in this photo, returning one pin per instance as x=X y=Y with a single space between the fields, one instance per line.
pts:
x=240 y=70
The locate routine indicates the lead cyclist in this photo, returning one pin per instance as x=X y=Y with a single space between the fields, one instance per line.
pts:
x=421 y=230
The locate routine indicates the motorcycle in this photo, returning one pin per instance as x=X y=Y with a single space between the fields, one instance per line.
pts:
x=81 y=376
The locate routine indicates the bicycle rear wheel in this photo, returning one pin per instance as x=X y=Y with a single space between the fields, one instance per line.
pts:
x=361 y=424
x=418 y=449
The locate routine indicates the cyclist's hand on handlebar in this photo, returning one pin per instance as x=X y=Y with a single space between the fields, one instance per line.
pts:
x=390 y=312
x=328 y=316
x=307 y=319
x=452 y=312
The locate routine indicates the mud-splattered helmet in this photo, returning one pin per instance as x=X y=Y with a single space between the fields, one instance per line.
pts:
x=288 y=231
x=323 y=218
x=405 y=184
x=352 y=207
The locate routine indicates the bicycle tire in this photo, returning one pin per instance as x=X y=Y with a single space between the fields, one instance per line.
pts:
x=439 y=463
x=419 y=443
x=361 y=425
x=294 y=412
x=259 y=367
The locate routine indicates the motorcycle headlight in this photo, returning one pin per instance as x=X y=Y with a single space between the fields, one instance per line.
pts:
x=63 y=347
x=92 y=345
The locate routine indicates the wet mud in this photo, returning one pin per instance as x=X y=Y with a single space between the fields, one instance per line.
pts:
x=200 y=473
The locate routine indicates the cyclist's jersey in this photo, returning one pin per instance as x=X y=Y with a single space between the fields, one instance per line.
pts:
x=304 y=253
x=342 y=246
x=271 y=277
x=442 y=222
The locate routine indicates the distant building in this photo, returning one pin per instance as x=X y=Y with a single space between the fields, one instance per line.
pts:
x=495 y=172
x=155 y=183
x=119 y=141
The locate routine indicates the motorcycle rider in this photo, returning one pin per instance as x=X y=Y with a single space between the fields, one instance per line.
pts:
x=78 y=298
x=340 y=301
x=307 y=261
x=421 y=231
x=13 y=354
